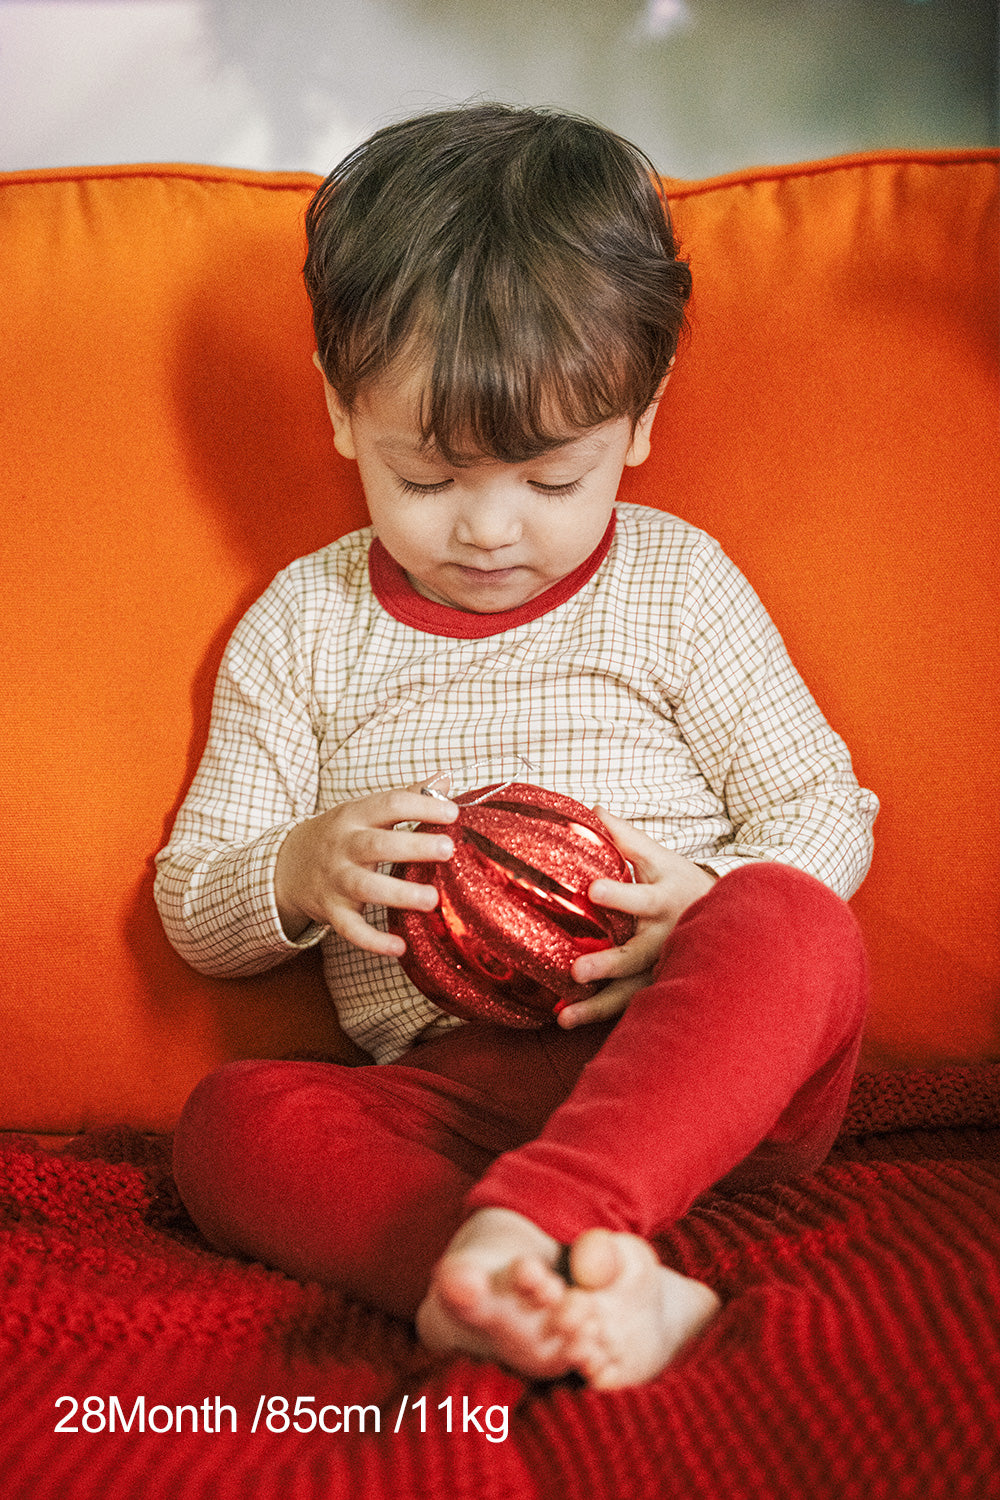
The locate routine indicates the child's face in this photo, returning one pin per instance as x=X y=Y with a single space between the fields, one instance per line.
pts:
x=484 y=536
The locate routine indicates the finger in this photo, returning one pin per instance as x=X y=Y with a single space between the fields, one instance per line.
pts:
x=640 y=850
x=375 y=888
x=391 y=846
x=639 y=900
x=611 y=1001
x=352 y=926
x=634 y=957
x=601 y=967
x=409 y=805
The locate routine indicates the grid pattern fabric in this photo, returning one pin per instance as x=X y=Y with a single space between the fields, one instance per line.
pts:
x=660 y=689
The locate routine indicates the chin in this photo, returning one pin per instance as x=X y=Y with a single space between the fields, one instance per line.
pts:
x=482 y=597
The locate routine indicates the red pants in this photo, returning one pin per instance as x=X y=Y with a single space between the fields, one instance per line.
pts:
x=735 y=1064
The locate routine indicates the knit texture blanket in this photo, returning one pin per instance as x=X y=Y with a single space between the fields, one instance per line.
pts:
x=857 y=1353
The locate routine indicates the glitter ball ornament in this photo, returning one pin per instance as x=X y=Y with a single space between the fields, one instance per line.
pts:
x=513 y=911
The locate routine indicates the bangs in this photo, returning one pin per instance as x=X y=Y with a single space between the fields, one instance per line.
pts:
x=515 y=370
x=515 y=414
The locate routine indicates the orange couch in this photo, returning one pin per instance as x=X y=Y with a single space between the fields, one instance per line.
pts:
x=164 y=451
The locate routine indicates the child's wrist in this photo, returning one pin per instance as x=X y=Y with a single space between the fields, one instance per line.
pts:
x=293 y=917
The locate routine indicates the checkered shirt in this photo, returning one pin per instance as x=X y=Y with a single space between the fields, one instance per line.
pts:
x=660 y=689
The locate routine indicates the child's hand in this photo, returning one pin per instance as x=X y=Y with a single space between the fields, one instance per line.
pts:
x=326 y=869
x=666 y=885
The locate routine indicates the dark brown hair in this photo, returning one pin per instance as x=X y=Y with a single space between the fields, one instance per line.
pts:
x=523 y=257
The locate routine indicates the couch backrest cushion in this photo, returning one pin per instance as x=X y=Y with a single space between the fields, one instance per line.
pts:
x=836 y=427
x=165 y=450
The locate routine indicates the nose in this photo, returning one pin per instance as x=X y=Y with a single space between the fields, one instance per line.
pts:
x=488 y=521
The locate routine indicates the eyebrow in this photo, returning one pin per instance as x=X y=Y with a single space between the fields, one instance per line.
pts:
x=586 y=446
x=402 y=448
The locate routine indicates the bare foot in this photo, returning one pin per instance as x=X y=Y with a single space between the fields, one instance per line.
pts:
x=493 y=1293
x=496 y=1294
x=626 y=1316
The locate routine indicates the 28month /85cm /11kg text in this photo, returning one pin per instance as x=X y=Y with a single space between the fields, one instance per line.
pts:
x=277 y=1414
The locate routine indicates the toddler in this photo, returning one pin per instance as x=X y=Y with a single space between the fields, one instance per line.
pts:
x=497 y=302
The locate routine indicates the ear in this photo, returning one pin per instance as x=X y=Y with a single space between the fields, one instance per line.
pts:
x=340 y=417
x=640 y=446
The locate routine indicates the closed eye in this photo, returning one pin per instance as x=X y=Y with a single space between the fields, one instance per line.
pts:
x=411 y=487
x=557 y=489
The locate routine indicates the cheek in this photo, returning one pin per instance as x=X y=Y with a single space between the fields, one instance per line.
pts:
x=387 y=509
x=404 y=533
x=579 y=530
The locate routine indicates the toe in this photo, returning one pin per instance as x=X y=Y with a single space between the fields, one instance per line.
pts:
x=595 y=1259
x=535 y=1283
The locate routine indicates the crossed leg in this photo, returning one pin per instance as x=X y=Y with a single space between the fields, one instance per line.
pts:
x=356 y=1177
x=447 y=1185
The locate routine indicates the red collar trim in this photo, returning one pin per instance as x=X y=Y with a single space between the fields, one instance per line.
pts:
x=396 y=594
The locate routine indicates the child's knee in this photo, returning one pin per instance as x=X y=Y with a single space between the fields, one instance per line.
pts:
x=778 y=898
x=220 y=1108
x=780 y=930
x=219 y=1139
x=811 y=926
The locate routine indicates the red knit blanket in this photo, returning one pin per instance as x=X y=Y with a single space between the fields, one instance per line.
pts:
x=857 y=1353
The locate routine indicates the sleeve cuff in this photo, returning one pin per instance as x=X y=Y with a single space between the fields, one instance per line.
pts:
x=724 y=864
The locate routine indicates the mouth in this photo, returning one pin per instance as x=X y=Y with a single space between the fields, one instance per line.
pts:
x=486 y=575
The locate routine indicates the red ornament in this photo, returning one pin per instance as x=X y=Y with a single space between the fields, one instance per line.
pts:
x=513 y=911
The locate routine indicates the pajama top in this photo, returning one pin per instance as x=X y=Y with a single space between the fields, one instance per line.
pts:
x=651 y=681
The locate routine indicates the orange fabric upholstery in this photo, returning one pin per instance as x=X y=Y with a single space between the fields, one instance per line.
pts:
x=165 y=450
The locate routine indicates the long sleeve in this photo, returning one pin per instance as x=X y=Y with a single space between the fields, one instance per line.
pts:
x=258 y=777
x=761 y=742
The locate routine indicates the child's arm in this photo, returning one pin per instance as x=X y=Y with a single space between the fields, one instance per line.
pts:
x=251 y=874
x=760 y=740
x=764 y=749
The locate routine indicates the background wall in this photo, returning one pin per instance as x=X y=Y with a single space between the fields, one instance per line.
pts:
x=704 y=86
